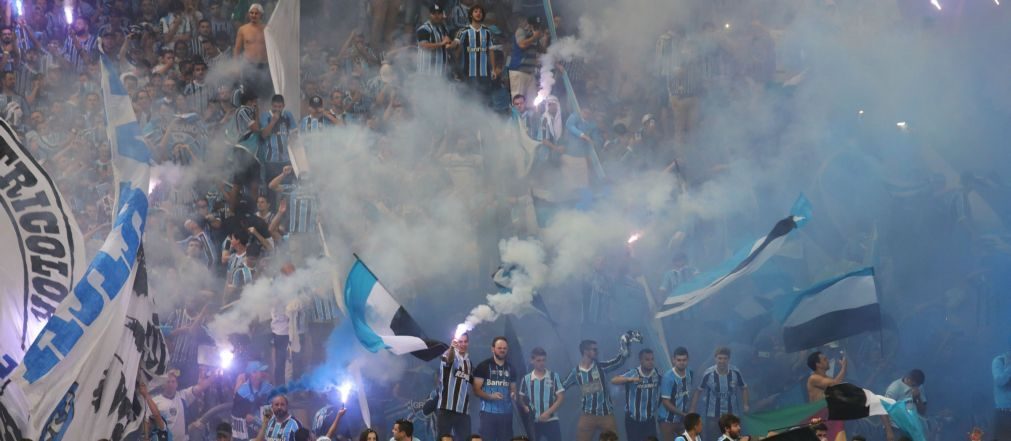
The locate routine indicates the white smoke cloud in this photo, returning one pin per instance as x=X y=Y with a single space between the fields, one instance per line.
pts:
x=267 y=293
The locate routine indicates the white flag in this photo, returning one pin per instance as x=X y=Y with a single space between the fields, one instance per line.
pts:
x=78 y=378
x=43 y=253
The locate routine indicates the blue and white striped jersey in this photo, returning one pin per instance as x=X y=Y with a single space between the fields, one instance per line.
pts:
x=432 y=61
x=642 y=398
x=678 y=390
x=541 y=392
x=78 y=57
x=281 y=430
x=477 y=54
x=722 y=391
x=454 y=383
x=596 y=399
x=276 y=144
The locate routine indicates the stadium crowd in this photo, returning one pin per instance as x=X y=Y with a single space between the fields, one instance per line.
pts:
x=198 y=76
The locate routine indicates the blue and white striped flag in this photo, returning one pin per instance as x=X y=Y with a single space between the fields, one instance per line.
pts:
x=744 y=262
x=382 y=323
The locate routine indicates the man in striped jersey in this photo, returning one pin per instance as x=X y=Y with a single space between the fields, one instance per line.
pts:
x=434 y=43
x=277 y=126
x=80 y=46
x=598 y=412
x=453 y=398
x=220 y=23
x=475 y=42
x=11 y=103
x=203 y=34
x=494 y=381
x=198 y=93
x=724 y=389
x=281 y=426
x=297 y=200
x=642 y=395
x=327 y=419
x=675 y=388
x=542 y=393
x=315 y=122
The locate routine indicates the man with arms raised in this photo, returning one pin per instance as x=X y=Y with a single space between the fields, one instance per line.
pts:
x=597 y=410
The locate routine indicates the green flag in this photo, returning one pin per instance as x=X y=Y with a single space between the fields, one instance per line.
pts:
x=759 y=424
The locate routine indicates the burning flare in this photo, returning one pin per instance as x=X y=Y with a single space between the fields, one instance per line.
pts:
x=68 y=12
x=226 y=356
x=461 y=329
x=634 y=238
x=345 y=390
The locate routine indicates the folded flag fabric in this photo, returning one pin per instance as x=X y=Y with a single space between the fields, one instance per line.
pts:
x=849 y=402
x=382 y=323
x=759 y=424
x=831 y=310
x=805 y=433
x=743 y=263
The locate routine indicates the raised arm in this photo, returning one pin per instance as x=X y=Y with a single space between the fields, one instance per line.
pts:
x=624 y=342
x=333 y=427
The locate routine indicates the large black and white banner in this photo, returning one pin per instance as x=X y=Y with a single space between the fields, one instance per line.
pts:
x=78 y=379
x=42 y=255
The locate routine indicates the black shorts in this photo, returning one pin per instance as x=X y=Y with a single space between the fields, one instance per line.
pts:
x=247 y=168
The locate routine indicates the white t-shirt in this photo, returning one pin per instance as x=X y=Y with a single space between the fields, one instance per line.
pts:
x=279 y=320
x=173 y=411
x=899 y=390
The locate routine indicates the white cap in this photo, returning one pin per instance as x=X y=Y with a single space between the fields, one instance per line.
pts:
x=256 y=6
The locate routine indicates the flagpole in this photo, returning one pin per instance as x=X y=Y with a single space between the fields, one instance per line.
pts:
x=365 y=266
x=881 y=327
x=789 y=428
x=657 y=325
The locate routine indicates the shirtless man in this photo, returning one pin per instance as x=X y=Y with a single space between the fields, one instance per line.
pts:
x=819 y=381
x=250 y=45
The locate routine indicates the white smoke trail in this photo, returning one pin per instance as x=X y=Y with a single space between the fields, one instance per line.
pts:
x=561 y=51
x=257 y=300
x=528 y=272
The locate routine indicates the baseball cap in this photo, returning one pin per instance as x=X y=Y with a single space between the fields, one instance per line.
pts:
x=256 y=366
x=436 y=8
x=315 y=101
